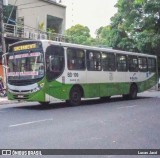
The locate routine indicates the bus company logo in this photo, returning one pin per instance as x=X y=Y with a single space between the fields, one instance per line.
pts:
x=134 y=77
x=110 y=76
x=6 y=152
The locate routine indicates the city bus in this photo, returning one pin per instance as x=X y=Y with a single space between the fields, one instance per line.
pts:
x=47 y=71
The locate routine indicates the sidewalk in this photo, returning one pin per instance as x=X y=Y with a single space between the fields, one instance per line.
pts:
x=4 y=100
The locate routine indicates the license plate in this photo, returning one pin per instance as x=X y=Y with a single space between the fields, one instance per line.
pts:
x=20 y=96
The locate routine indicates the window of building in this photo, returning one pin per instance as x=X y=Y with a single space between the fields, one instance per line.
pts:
x=94 y=60
x=108 y=61
x=54 y=62
x=132 y=63
x=75 y=59
x=142 y=61
x=7 y=13
x=152 y=64
x=121 y=62
x=54 y=24
x=10 y=19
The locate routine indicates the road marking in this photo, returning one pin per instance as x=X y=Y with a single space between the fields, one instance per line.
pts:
x=132 y=106
x=32 y=122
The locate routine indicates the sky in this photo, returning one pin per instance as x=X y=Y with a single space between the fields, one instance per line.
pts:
x=90 y=13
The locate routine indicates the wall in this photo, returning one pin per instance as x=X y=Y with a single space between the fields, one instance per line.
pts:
x=35 y=11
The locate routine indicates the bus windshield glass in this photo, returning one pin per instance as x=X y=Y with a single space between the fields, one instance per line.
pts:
x=25 y=66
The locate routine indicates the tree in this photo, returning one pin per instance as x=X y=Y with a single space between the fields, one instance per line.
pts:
x=149 y=34
x=79 y=34
x=140 y=19
x=103 y=36
x=135 y=27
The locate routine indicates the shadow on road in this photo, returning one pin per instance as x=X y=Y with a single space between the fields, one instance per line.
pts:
x=90 y=102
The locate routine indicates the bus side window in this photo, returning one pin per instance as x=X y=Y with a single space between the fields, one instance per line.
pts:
x=94 y=61
x=151 y=64
x=142 y=61
x=54 y=61
x=108 y=61
x=133 y=63
x=121 y=62
x=75 y=59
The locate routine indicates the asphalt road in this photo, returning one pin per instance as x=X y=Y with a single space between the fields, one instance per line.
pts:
x=116 y=124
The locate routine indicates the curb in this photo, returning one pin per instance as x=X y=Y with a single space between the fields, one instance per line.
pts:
x=6 y=101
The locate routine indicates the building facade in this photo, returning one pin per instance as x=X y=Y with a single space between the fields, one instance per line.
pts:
x=33 y=19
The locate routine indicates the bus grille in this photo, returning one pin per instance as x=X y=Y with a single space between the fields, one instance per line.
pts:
x=21 y=98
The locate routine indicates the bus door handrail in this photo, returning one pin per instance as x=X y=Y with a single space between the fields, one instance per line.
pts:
x=4 y=63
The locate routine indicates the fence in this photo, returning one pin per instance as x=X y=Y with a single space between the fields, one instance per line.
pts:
x=30 y=33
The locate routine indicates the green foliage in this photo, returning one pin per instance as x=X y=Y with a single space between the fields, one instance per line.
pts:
x=79 y=34
x=51 y=34
x=103 y=34
x=41 y=26
x=135 y=27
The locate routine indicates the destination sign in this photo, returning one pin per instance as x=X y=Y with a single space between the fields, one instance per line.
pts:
x=24 y=47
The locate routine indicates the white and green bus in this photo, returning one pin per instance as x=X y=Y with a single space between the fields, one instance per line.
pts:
x=46 y=71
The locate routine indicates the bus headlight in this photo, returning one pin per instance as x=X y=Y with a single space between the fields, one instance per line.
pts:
x=42 y=85
x=36 y=89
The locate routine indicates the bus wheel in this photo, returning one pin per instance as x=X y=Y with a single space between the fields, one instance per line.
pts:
x=126 y=96
x=75 y=96
x=133 y=92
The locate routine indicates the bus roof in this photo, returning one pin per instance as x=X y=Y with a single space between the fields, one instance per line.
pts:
x=110 y=50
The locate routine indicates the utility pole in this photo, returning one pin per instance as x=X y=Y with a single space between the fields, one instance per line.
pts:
x=2 y=39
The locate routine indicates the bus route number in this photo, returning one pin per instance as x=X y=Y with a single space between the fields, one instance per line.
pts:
x=70 y=74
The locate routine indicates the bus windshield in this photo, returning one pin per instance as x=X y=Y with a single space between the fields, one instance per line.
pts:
x=25 y=66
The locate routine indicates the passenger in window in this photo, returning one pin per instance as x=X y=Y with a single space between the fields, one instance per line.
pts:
x=71 y=64
x=81 y=64
x=55 y=65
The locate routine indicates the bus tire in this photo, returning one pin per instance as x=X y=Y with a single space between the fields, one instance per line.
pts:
x=133 y=91
x=126 y=96
x=75 y=96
